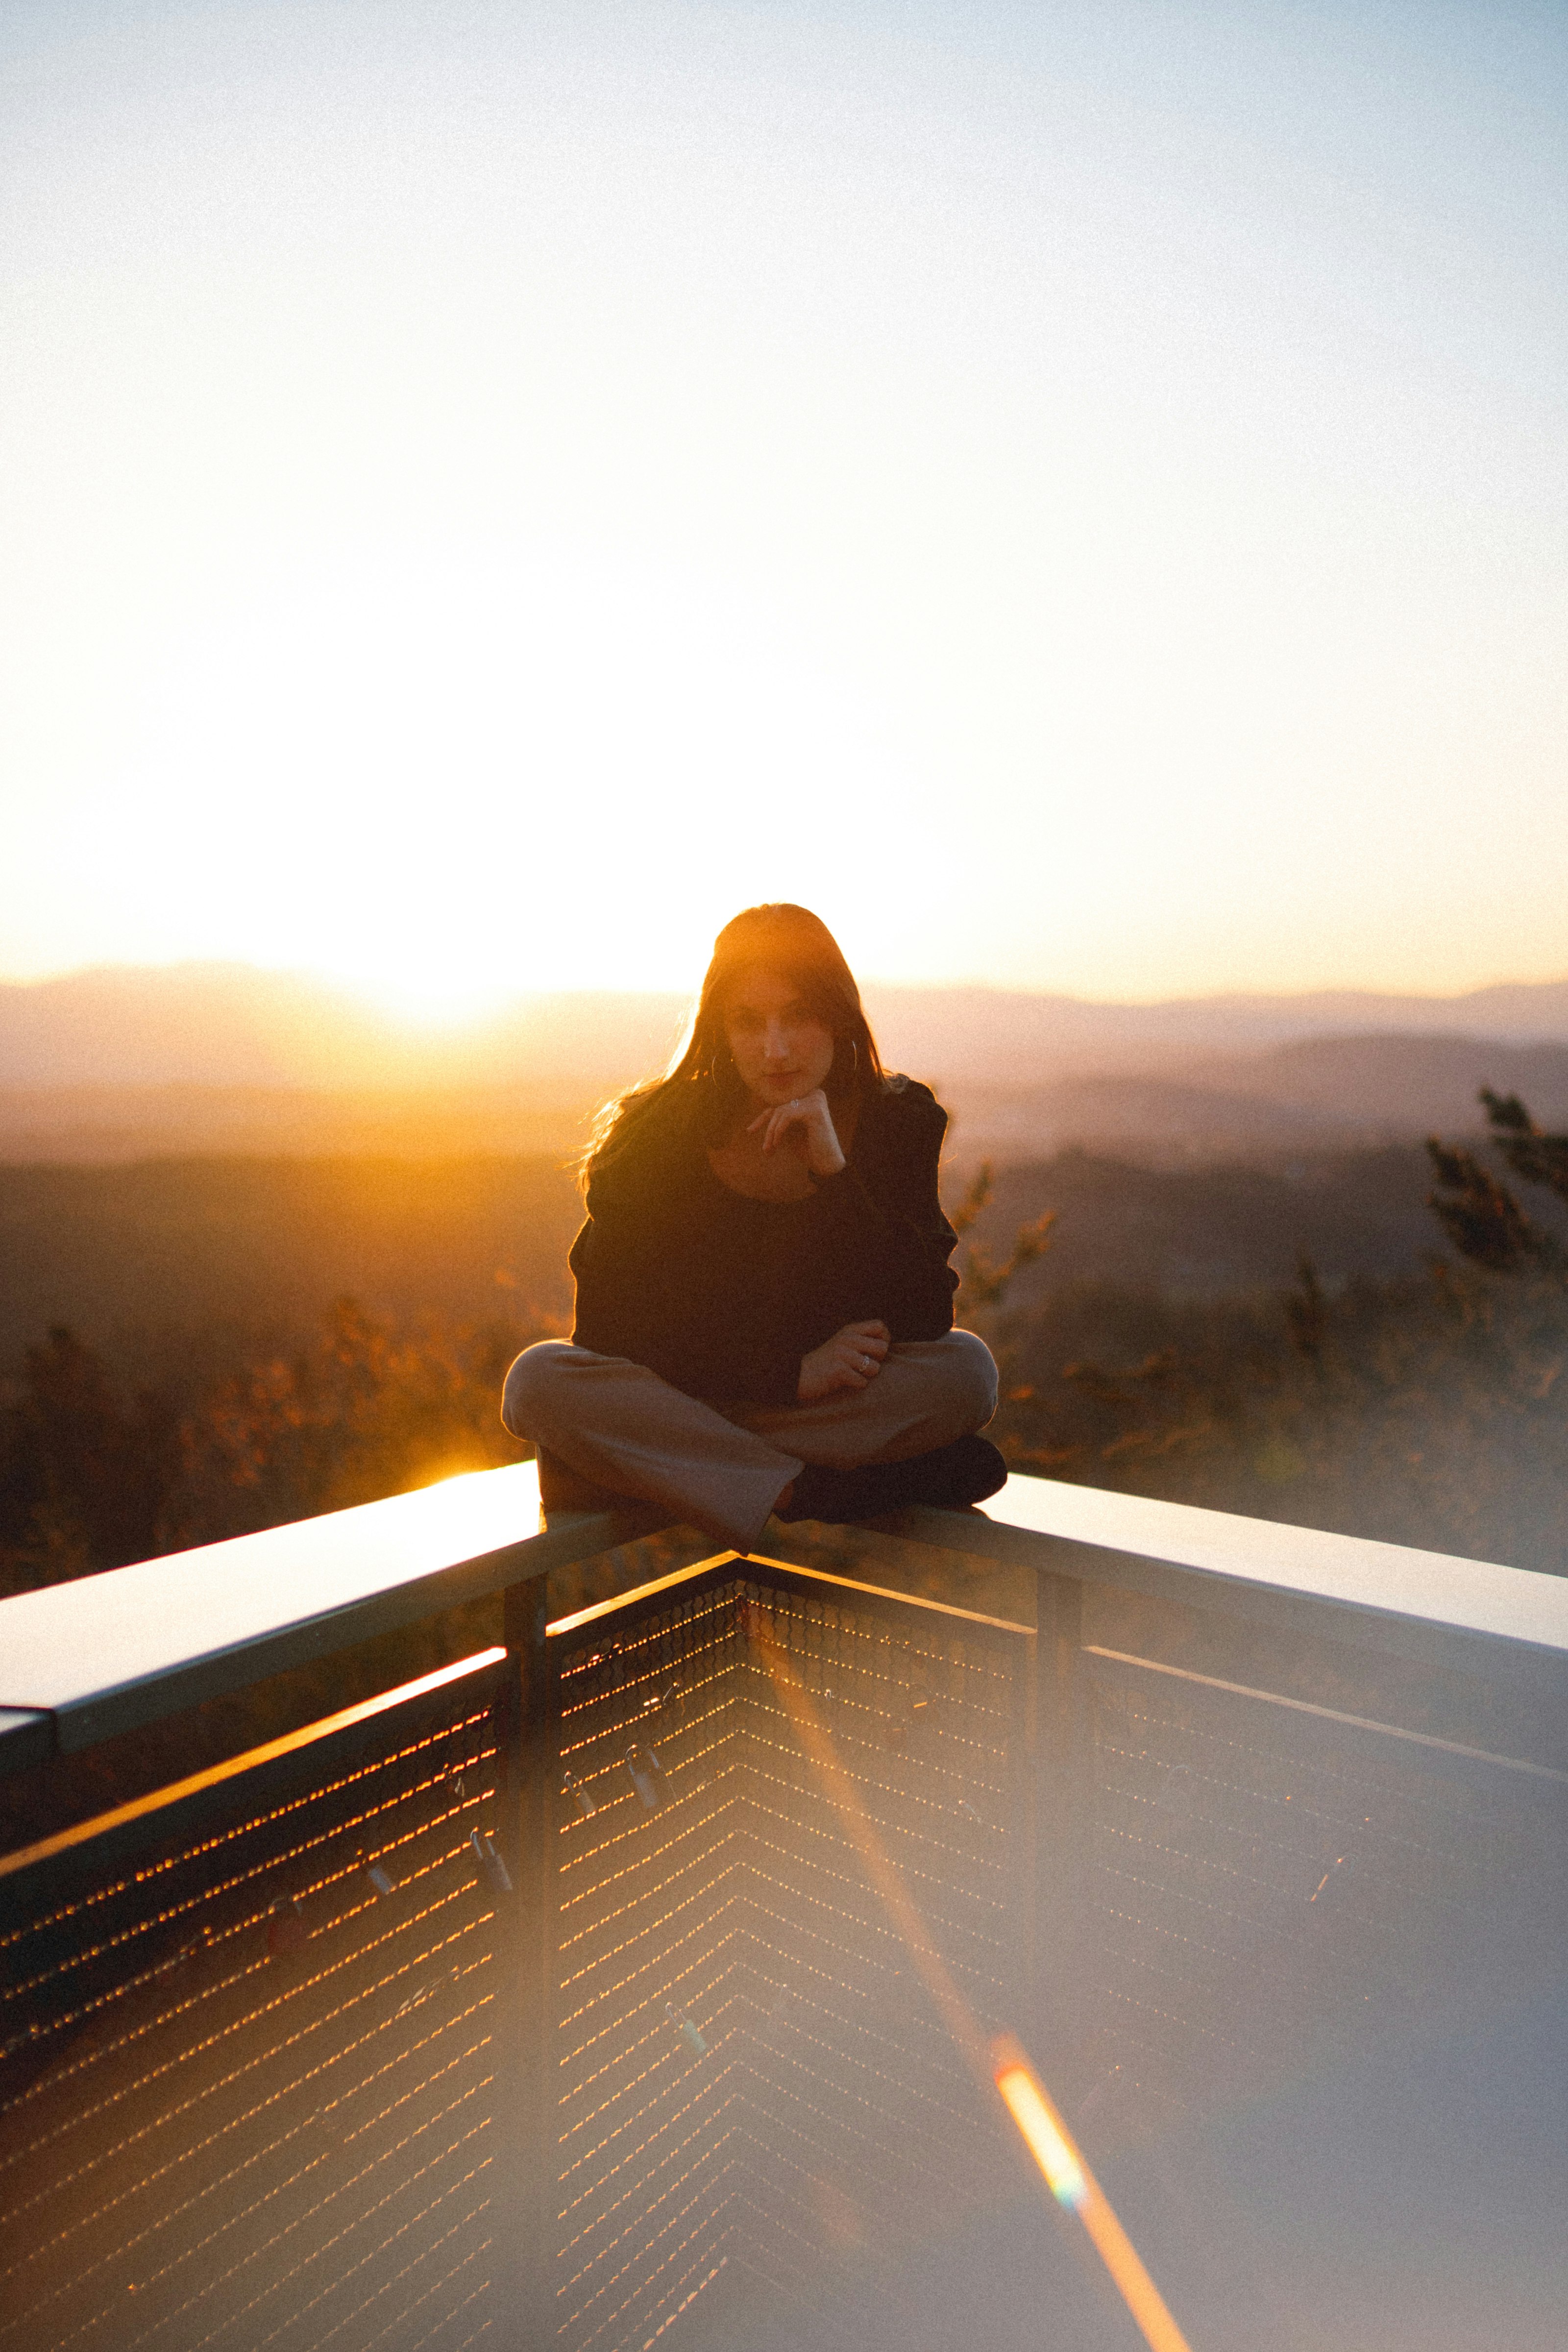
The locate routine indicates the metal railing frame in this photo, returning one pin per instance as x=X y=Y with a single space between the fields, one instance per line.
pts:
x=1469 y=1660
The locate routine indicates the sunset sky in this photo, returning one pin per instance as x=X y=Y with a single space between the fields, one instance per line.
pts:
x=1074 y=493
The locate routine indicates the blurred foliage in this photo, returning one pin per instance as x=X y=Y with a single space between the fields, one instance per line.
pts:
x=91 y=1478
x=83 y=1472
x=1481 y=1215
x=984 y=1281
x=1431 y=1411
x=1430 y=1408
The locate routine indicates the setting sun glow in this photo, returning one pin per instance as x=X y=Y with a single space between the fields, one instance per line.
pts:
x=1075 y=496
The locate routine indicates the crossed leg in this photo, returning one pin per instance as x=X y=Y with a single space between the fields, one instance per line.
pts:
x=619 y=1426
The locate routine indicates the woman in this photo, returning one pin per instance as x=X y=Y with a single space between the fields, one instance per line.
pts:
x=764 y=1303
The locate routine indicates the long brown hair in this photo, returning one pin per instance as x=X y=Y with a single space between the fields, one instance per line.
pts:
x=702 y=1087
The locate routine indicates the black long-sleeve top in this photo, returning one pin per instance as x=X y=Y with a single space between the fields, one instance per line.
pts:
x=722 y=1294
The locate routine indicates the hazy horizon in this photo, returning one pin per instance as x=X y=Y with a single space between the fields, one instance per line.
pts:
x=119 y=1063
x=387 y=1000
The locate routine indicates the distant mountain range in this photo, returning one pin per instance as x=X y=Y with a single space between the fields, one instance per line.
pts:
x=121 y=1063
x=1315 y=1094
x=231 y=1025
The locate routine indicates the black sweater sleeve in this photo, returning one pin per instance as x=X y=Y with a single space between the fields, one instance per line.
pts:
x=886 y=1213
x=621 y=1262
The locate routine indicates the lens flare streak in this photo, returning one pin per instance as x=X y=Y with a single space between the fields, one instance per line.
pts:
x=1043 y=2136
x=1005 y=2065
x=1073 y=2185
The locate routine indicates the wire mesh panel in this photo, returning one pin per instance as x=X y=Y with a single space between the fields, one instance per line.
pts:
x=755 y=2089
x=1270 y=1893
x=249 y=2059
x=270 y=2045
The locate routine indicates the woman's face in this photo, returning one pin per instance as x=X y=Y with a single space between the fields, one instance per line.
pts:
x=779 y=1045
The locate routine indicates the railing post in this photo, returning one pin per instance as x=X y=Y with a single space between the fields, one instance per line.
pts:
x=1061 y=1798
x=525 y=2217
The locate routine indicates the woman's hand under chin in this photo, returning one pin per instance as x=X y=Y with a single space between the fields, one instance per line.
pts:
x=810 y=1117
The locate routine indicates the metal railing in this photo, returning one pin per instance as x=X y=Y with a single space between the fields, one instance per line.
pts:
x=422 y=1931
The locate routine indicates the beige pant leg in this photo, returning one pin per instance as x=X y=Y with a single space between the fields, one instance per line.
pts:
x=618 y=1424
x=928 y=1393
